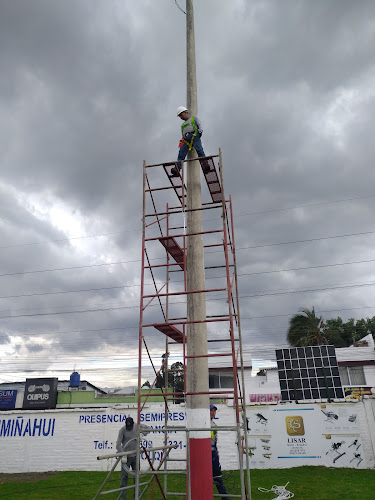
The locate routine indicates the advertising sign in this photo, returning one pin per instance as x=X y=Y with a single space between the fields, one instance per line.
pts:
x=278 y=436
x=8 y=399
x=40 y=394
x=356 y=392
x=265 y=398
x=291 y=435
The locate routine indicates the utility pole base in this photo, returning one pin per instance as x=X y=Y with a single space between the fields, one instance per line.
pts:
x=200 y=465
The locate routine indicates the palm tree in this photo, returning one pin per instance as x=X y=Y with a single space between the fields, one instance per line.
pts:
x=308 y=329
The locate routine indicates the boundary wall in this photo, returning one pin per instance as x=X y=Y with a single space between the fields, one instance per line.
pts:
x=279 y=436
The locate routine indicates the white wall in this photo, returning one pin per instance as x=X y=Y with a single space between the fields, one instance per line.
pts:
x=268 y=384
x=72 y=439
x=369 y=372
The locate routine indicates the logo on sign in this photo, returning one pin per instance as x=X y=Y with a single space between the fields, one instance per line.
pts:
x=294 y=426
x=40 y=393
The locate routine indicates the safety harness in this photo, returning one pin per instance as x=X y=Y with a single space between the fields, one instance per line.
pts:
x=183 y=140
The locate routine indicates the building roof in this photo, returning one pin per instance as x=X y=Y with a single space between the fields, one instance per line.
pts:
x=21 y=384
x=361 y=353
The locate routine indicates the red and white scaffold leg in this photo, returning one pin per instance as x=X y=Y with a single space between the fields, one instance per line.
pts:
x=200 y=457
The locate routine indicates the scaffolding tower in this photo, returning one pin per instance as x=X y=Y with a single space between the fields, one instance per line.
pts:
x=163 y=316
x=163 y=322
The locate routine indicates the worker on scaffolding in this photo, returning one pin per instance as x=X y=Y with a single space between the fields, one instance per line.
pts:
x=191 y=131
x=127 y=441
x=216 y=467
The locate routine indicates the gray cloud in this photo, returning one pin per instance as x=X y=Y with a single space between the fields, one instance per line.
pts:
x=88 y=91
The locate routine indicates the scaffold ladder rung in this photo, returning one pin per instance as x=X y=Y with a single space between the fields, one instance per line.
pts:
x=174 y=249
x=212 y=179
x=171 y=331
x=176 y=182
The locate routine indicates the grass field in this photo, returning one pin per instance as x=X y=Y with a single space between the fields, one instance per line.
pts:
x=307 y=483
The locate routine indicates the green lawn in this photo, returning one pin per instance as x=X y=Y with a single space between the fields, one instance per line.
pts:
x=307 y=483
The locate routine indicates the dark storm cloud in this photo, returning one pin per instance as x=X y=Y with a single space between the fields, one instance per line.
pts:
x=88 y=90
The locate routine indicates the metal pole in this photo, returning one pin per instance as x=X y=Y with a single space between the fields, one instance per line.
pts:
x=140 y=333
x=244 y=414
x=197 y=411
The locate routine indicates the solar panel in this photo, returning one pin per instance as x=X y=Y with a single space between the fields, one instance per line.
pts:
x=309 y=373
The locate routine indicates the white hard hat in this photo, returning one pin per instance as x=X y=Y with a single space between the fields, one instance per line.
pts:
x=180 y=110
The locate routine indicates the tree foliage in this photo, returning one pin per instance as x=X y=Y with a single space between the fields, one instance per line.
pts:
x=306 y=328
x=175 y=378
x=353 y=330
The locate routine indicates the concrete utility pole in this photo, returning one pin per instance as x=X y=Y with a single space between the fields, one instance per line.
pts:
x=197 y=411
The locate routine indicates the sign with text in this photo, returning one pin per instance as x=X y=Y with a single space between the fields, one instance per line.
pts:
x=289 y=435
x=8 y=399
x=357 y=392
x=265 y=398
x=40 y=394
x=278 y=436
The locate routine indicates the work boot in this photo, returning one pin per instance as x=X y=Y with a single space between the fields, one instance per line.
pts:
x=175 y=172
x=206 y=167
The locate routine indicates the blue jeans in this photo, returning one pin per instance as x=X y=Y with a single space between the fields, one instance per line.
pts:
x=197 y=145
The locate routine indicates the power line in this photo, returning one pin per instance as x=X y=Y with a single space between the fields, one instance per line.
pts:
x=181 y=281
x=319 y=312
x=305 y=206
x=112 y=304
x=66 y=291
x=305 y=268
x=175 y=303
x=216 y=251
x=306 y=241
x=307 y=291
x=70 y=268
x=139 y=230
x=69 y=239
x=124 y=328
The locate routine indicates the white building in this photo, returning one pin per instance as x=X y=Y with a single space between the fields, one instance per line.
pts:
x=357 y=367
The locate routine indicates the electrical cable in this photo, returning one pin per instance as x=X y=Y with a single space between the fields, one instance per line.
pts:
x=139 y=230
x=305 y=206
x=175 y=1
x=215 y=251
x=180 y=281
x=270 y=294
x=281 y=492
x=68 y=268
x=137 y=326
x=305 y=241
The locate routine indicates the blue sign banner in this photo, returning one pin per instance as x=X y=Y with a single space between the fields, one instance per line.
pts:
x=8 y=399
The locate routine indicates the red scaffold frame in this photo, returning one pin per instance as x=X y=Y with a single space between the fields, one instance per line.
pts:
x=165 y=251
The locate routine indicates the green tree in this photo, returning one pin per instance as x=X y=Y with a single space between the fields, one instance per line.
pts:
x=308 y=329
x=146 y=384
x=175 y=378
x=353 y=330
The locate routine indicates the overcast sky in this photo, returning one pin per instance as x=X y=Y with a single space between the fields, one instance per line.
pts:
x=90 y=89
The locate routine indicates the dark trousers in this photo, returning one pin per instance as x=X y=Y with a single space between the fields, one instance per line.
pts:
x=197 y=145
x=131 y=463
x=217 y=475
